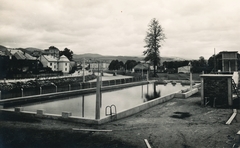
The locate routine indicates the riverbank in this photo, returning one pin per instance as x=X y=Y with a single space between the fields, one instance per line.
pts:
x=176 y=123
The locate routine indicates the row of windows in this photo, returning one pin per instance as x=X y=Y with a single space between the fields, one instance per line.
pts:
x=66 y=69
x=65 y=64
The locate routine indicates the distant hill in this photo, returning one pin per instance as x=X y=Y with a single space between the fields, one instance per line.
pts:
x=96 y=57
x=30 y=49
x=33 y=49
x=86 y=55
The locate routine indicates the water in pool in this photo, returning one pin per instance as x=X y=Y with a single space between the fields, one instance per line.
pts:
x=84 y=106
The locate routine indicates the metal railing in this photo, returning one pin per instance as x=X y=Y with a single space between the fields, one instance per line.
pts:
x=53 y=88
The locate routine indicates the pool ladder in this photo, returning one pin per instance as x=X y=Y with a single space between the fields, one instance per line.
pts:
x=109 y=110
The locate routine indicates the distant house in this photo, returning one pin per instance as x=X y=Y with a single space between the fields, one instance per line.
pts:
x=49 y=61
x=52 y=51
x=184 y=69
x=229 y=61
x=22 y=61
x=99 y=65
x=141 y=67
x=36 y=53
x=56 y=64
x=226 y=62
x=4 y=65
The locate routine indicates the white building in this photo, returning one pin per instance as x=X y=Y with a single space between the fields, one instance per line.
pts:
x=100 y=65
x=61 y=64
x=64 y=64
x=184 y=69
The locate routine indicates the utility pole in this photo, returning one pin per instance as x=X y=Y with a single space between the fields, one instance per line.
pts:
x=98 y=98
x=214 y=61
x=83 y=70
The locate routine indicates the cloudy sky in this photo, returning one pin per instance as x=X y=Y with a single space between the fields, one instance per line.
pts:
x=118 y=27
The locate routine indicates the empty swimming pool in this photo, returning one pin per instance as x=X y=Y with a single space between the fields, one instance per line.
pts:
x=84 y=106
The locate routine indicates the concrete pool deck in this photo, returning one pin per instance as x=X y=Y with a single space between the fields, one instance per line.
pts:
x=162 y=125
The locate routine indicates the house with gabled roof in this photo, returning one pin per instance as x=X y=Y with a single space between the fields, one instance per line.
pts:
x=56 y=64
x=52 y=51
x=22 y=61
x=49 y=61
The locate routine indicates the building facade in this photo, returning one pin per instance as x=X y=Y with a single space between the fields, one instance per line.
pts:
x=229 y=61
x=56 y=64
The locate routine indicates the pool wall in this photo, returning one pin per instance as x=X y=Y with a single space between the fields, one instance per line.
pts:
x=185 y=93
x=66 y=116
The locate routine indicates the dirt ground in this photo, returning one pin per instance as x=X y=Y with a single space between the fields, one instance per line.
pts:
x=177 y=123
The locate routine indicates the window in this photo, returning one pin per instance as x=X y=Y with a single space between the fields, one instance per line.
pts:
x=65 y=64
x=65 y=69
x=50 y=64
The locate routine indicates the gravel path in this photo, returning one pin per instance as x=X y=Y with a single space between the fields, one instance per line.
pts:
x=177 y=123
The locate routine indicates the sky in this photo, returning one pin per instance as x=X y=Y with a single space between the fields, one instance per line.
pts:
x=193 y=28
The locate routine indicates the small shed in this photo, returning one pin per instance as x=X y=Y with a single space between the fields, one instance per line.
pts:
x=141 y=67
x=216 y=90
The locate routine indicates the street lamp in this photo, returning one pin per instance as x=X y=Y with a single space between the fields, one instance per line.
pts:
x=190 y=66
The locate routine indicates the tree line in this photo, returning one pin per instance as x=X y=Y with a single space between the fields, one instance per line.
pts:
x=119 y=65
x=197 y=65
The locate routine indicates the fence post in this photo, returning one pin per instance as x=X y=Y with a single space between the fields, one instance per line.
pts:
x=40 y=90
x=69 y=87
x=80 y=85
x=22 y=91
x=0 y=95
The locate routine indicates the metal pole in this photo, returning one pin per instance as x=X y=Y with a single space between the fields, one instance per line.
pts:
x=190 y=80
x=98 y=67
x=214 y=61
x=22 y=91
x=0 y=95
x=147 y=76
x=40 y=90
x=56 y=87
x=97 y=114
x=83 y=106
x=190 y=72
